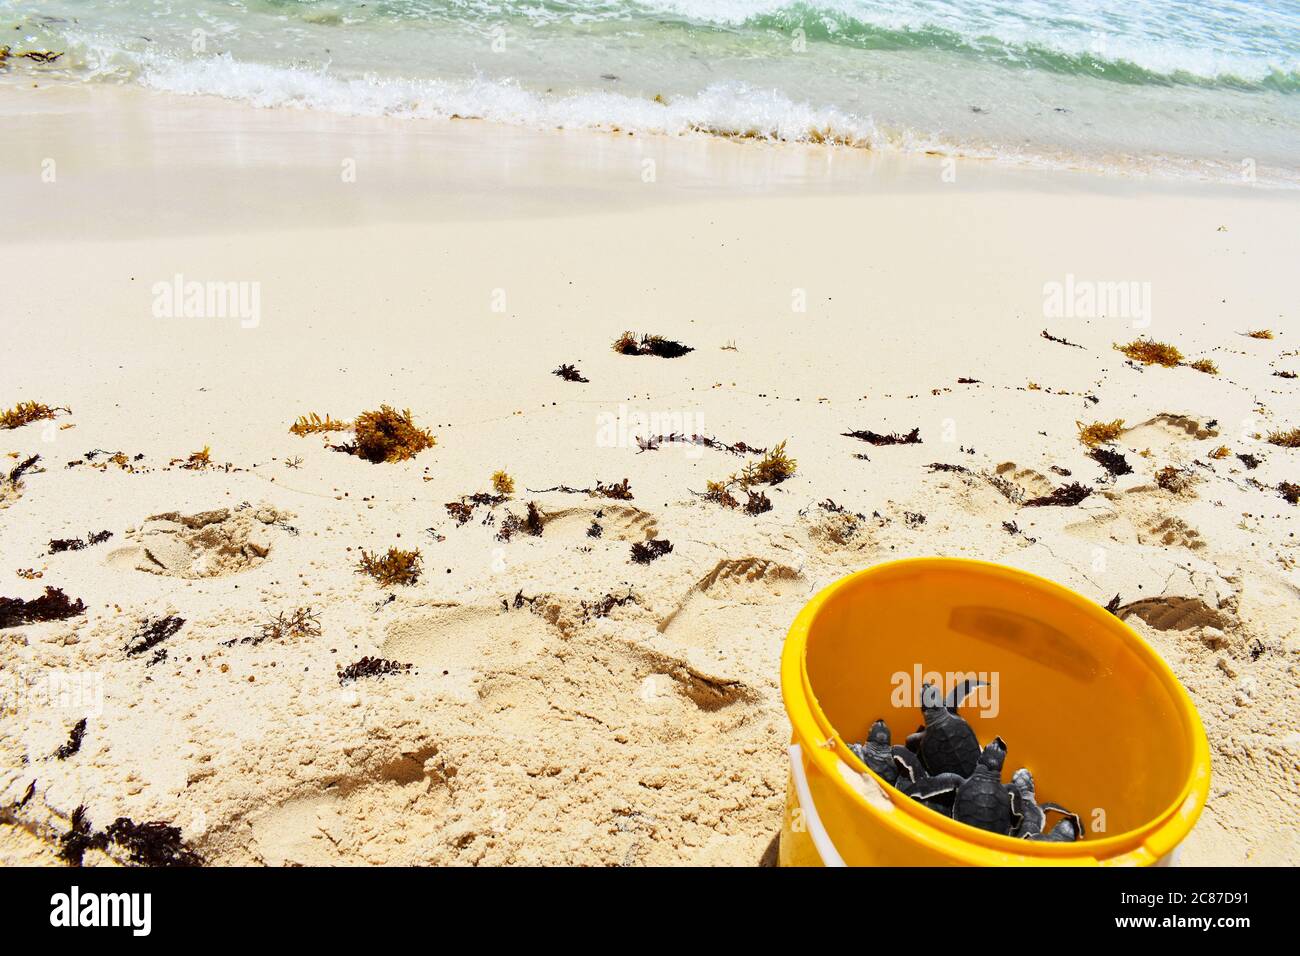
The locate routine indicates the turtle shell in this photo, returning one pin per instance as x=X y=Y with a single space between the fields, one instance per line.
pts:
x=950 y=746
x=983 y=802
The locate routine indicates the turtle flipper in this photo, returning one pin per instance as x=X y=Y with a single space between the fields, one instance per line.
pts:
x=909 y=769
x=937 y=786
x=1068 y=829
x=957 y=696
x=914 y=740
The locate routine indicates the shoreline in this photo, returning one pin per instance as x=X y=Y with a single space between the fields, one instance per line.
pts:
x=465 y=263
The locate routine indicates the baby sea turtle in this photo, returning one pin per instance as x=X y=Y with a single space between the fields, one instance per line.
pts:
x=1029 y=816
x=912 y=774
x=878 y=752
x=980 y=799
x=946 y=743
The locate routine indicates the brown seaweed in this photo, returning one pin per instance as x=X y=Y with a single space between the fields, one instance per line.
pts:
x=893 y=438
x=569 y=373
x=1112 y=461
x=395 y=567
x=1064 y=496
x=371 y=667
x=59 y=545
x=652 y=443
x=1285 y=439
x=530 y=523
x=311 y=424
x=152 y=633
x=1149 y=352
x=630 y=344
x=24 y=413
x=643 y=552
x=1290 y=491
x=1052 y=338
x=1250 y=461
x=53 y=605
x=155 y=843
x=73 y=745
x=387 y=435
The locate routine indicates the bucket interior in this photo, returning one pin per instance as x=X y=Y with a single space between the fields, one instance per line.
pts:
x=1077 y=701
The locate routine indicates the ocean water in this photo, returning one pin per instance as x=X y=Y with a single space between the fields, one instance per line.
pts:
x=1201 y=88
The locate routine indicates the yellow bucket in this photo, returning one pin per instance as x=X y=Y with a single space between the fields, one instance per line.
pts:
x=1081 y=700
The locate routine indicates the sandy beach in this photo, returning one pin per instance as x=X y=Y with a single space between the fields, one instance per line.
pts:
x=566 y=704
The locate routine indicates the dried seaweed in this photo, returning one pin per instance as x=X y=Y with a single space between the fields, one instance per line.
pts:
x=152 y=633
x=371 y=667
x=530 y=524
x=53 y=605
x=396 y=567
x=629 y=344
x=1100 y=433
x=1005 y=487
x=73 y=745
x=943 y=466
x=16 y=473
x=80 y=838
x=1290 y=491
x=1175 y=480
x=197 y=461
x=311 y=424
x=1261 y=334
x=965 y=380
x=1285 y=439
x=1052 y=338
x=387 y=435
x=1223 y=451
x=893 y=438
x=595 y=531
x=643 y=552
x=301 y=622
x=604 y=606
x=59 y=545
x=652 y=443
x=913 y=519
x=1250 y=461
x=616 y=491
x=1064 y=496
x=1204 y=365
x=24 y=413
x=1149 y=352
x=569 y=373
x=1113 y=605
x=758 y=503
x=154 y=843
x=774 y=467
x=1286 y=373
x=502 y=483
x=1112 y=461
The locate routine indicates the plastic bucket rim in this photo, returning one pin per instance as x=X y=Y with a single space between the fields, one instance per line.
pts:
x=1158 y=836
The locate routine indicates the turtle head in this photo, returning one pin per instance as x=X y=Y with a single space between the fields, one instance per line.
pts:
x=931 y=699
x=879 y=734
x=1023 y=780
x=994 y=754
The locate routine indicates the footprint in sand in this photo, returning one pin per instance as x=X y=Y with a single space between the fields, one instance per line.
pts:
x=616 y=522
x=728 y=603
x=464 y=642
x=208 y=544
x=1166 y=435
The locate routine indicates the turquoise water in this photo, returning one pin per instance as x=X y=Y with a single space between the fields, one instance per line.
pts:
x=1207 y=89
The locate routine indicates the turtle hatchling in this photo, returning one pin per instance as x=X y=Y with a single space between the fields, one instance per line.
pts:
x=980 y=800
x=1029 y=817
x=878 y=752
x=946 y=744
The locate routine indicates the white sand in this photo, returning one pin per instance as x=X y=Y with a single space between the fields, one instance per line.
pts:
x=542 y=734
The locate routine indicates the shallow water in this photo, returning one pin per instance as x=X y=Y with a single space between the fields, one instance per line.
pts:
x=1203 y=89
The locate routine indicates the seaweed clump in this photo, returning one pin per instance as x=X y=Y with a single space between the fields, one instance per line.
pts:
x=396 y=567
x=312 y=424
x=1174 y=480
x=569 y=373
x=893 y=438
x=630 y=344
x=1150 y=352
x=1100 y=433
x=1261 y=334
x=155 y=843
x=616 y=491
x=1112 y=461
x=1285 y=439
x=59 y=545
x=302 y=622
x=24 y=413
x=502 y=483
x=1204 y=365
x=1250 y=461
x=387 y=435
x=371 y=667
x=1290 y=491
x=73 y=745
x=1064 y=496
x=152 y=633
x=643 y=552
x=53 y=605
x=530 y=524
x=775 y=467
